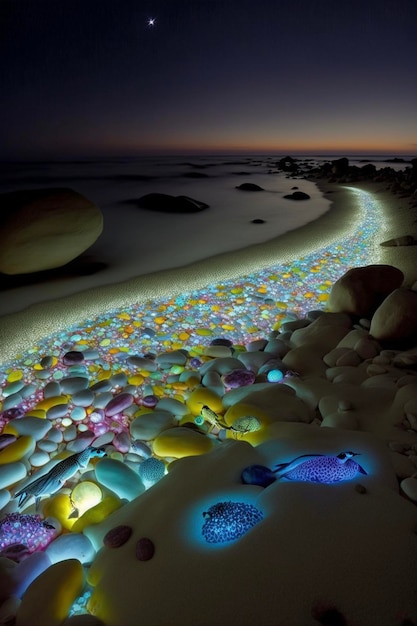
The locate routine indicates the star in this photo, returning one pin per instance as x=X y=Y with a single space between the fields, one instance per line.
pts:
x=151 y=22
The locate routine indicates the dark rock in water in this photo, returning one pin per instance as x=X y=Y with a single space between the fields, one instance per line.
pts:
x=170 y=204
x=287 y=164
x=297 y=195
x=257 y=221
x=249 y=187
x=258 y=475
x=340 y=166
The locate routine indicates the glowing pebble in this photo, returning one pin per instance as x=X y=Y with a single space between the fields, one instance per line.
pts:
x=23 y=446
x=60 y=507
x=14 y=376
x=48 y=403
x=180 y=442
x=202 y=396
x=60 y=584
x=85 y=495
x=97 y=513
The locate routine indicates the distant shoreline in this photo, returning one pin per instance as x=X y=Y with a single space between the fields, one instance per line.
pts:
x=19 y=330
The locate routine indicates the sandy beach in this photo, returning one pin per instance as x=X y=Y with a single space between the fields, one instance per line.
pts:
x=265 y=448
x=40 y=319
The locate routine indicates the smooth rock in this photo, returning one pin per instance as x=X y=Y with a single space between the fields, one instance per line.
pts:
x=83 y=398
x=180 y=442
x=71 y=546
x=39 y=458
x=72 y=384
x=177 y=408
x=409 y=487
x=23 y=446
x=27 y=570
x=45 y=228
x=221 y=365
x=174 y=357
x=254 y=360
x=61 y=584
x=119 y=478
x=361 y=290
x=147 y=426
x=396 y=318
x=118 y=404
x=35 y=427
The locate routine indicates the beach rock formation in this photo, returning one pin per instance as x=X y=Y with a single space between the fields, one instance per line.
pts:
x=166 y=203
x=249 y=187
x=287 y=164
x=362 y=289
x=297 y=195
x=396 y=318
x=45 y=228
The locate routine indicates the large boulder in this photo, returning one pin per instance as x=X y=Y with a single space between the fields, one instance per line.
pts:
x=45 y=228
x=297 y=195
x=396 y=319
x=249 y=187
x=362 y=289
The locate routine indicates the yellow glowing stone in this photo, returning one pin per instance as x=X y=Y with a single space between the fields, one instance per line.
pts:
x=123 y=316
x=48 y=403
x=85 y=495
x=323 y=297
x=15 y=451
x=9 y=429
x=203 y=332
x=14 y=376
x=59 y=506
x=309 y=294
x=203 y=396
x=97 y=513
x=41 y=413
x=61 y=584
x=136 y=380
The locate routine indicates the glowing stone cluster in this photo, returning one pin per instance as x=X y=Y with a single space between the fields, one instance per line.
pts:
x=30 y=531
x=228 y=521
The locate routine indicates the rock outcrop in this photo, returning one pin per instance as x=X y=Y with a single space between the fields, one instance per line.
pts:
x=45 y=228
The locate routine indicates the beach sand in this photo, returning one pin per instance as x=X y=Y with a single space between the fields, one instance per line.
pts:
x=22 y=326
x=300 y=553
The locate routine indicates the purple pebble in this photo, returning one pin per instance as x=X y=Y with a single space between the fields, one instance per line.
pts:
x=150 y=401
x=117 y=536
x=118 y=403
x=239 y=378
x=144 y=549
x=6 y=439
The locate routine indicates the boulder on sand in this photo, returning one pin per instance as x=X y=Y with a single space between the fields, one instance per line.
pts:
x=396 y=319
x=42 y=229
x=362 y=289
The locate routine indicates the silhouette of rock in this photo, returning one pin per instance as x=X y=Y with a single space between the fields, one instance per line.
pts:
x=166 y=203
x=249 y=187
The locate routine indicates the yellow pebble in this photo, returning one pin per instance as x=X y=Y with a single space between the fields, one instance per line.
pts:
x=41 y=413
x=97 y=513
x=49 y=597
x=180 y=442
x=201 y=396
x=136 y=380
x=24 y=446
x=10 y=430
x=241 y=409
x=48 y=403
x=14 y=376
x=60 y=507
x=203 y=332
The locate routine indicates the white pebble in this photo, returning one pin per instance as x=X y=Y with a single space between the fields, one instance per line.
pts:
x=39 y=458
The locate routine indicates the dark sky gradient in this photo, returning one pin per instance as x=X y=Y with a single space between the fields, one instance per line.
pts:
x=90 y=78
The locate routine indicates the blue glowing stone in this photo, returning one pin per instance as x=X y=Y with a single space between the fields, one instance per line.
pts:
x=320 y=468
x=199 y=420
x=228 y=521
x=258 y=475
x=151 y=470
x=275 y=376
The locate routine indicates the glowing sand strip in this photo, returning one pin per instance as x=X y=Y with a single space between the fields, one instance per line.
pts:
x=242 y=309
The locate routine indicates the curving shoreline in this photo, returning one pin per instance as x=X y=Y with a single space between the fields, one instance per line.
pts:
x=17 y=330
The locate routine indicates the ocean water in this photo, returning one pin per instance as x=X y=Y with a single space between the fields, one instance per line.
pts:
x=136 y=241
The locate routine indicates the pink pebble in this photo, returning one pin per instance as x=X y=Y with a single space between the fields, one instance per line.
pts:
x=144 y=549
x=117 y=536
x=118 y=404
x=122 y=442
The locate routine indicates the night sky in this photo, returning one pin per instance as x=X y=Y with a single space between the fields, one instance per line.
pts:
x=93 y=78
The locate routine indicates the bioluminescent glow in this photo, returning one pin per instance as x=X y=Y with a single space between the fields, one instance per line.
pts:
x=21 y=534
x=321 y=468
x=228 y=521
